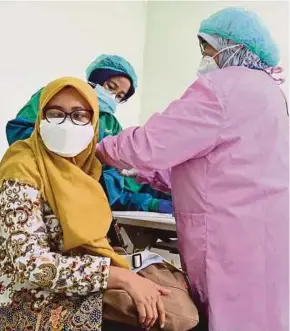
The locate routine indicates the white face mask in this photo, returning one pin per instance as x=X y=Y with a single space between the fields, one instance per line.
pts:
x=66 y=139
x=208 y=64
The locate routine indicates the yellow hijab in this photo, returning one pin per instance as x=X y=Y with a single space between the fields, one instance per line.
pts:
x=71 y=187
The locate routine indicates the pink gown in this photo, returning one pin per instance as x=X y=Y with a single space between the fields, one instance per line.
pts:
x=226 y=143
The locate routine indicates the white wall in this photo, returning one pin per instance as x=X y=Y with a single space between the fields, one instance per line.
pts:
x=172 y=53
x=41 y=41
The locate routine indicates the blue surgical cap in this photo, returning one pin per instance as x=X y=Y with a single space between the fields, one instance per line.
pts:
x=115 y=63
x=243 y=27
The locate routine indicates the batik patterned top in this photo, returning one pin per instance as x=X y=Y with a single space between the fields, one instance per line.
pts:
x=41 y=287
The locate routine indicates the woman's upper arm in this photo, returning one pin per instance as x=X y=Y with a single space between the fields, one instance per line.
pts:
x=27 y=245
x=188 y=128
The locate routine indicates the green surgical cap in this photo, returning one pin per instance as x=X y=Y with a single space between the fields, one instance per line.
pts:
x=113 y=62
x=243 y=27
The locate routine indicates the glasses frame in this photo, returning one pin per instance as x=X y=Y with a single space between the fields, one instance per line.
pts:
x=69 y=115
x=202 y=45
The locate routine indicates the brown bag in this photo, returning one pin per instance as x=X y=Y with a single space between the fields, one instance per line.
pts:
x=181 y=313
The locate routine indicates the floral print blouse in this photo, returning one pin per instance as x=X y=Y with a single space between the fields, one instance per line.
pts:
x=36 y=273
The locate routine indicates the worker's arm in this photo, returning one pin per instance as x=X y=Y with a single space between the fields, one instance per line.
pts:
x=188 y=128
x=158 y=180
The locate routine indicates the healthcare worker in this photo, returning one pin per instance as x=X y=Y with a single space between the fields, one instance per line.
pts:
x=115 y=81
x=226 y=142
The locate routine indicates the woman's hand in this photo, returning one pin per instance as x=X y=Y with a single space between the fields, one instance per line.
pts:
x=146 y=295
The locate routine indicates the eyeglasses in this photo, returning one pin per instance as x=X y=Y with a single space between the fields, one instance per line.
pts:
x=110 y=90
x=202 y=44
x=78 y=117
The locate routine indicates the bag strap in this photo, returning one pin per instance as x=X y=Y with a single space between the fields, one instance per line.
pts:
x=141 y=260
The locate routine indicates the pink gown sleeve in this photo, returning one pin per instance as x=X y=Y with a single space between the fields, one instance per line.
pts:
x=188 y=128
x=159 y=180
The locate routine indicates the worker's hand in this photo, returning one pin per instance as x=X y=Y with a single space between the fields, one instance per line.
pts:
x=165 y=206
x=129 y=173
x=146 y=295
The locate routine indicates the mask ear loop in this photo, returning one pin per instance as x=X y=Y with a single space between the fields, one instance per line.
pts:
x=228 y=47
x=240 y=47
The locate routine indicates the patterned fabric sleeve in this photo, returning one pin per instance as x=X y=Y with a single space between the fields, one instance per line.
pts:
x=29 y=248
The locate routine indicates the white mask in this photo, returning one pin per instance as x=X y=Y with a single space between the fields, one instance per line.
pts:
x=207 y=64
x=66 y=139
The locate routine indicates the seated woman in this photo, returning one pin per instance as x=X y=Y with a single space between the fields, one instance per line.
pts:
x=115 y=82
x=55 y=260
